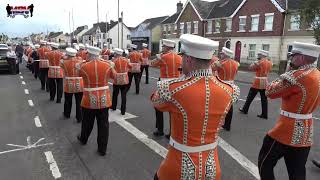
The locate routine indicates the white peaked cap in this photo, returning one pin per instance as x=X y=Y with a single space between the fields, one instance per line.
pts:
x=118 y=51
x=126 y=51
x=133 y=46
x=264 y=53
x=197 y=46
x=81 y=46
x=71 y=52
x=227 y=51
x=306 y=49
x=74 y=44
x=144 y=45
x=105 y=45
x=43 y=42
x=37 y=46
x=168 y=43
x=55 y=45
x=86 y=45
x=94 y=50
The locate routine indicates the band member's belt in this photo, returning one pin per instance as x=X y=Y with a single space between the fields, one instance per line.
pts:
x=262 y=78
x=295 y=116
x=70 y=78
x=44 y=60
x=96 y=89
x=167 y=79
x=36 y=60
x=55 y=67
x=192 y=149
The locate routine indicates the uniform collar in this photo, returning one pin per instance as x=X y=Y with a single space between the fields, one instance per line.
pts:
x=307 y=66
x=200 y=73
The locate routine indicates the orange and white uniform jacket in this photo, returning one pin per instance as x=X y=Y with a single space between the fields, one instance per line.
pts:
x=96 y=92
x=135 y=61
x=44 y=63
x=192 y=153
x=299 y=91
x=227 y=70
x=169 y=64
x=262 y=69
x=122 y=67
x=73 y=83
x=83 y=54
x=146 y=54
x=28 y=54
x=55 y=71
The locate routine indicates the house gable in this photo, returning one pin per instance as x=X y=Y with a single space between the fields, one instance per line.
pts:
x=189 y=6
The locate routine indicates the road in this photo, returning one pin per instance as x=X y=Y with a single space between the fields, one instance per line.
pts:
x=37 y=143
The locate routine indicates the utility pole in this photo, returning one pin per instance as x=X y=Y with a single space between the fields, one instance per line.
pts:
x=107 y=31
x=98 y=45
x=121 y=29
x=118 y=23
x=70 y=26
x=73 y=26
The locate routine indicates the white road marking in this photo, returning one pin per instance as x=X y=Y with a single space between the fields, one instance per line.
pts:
x=21 y=77
x=245 y=72
x=20 y=73
x=151 y=77
x=241 y=159
x=255 y=99
x=37 y=121
x=162 y=151
x=316 y=118
x=23 y=83
x=28 y=146
x=30 y=103
x=26 y=91
x=53 y=165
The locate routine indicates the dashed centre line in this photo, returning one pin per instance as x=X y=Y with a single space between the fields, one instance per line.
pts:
x=37 y=121
x=26 y=91
x=21 y=77
x=53 y=165
x=30 y=103
x=23 y=83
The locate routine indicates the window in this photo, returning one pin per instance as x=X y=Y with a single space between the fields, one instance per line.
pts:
x=103 y=36
x=252 y=51
x=181 y=28
x=175 y=28
x=110 y=40
x=195 y=27
x=242 y=23
x=128 y=37
x=254 y=22
x=266 y=47
x=228 y=25
x=268 y=22
x=315 y=23
x=189 y=27
x=164 y=29
x=168 y=29
x=209 y=27
x=217 y=26
x=295 y=22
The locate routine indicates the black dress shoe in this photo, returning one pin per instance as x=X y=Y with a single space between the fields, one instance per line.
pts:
x=123 y=113
x=262 y=117
x=101 y=153
x=158 y=133
x=47 y=90
x=316 y=163
x=79 y=139
x=242 y=111
x=51 y=99
x=42 y=88
x=59 y=101
x=65 y=116
x=167 y=136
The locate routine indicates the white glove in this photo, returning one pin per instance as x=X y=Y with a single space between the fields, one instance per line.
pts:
x=158 y=56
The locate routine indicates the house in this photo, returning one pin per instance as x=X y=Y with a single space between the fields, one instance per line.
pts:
x=124 y=40
x=37 y=37
x=57 y=37
x=148 y=32
x=96 y=36
x=169 y=27
x=78 y=33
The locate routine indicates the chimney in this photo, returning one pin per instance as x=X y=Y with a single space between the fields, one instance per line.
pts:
x=179 y=6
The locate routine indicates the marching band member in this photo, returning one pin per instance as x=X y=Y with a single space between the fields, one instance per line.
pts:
x=83 y=53
x=55 y=73
x=96 y=99
x=105 y=53
x=146 y=54
x=73 y=83
x=169 y=63
x=121 y=80
x=197 y=103
x=35 y=61
x=43 y=66
x=262 y=68
x=227 y=70
x=291 y=137
x=135 y=61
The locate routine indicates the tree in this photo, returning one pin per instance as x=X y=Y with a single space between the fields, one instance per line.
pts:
x=310 y=14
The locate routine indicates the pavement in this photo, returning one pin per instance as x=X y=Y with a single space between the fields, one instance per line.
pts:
x=37 y=143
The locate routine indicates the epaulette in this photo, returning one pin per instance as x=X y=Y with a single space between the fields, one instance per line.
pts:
x=236 y=90
x=164 y=88
x=289 y=76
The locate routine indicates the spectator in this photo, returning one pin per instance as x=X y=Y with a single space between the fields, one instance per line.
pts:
x=12 y=58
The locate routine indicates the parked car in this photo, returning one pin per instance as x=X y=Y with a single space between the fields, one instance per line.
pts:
x=4 y=65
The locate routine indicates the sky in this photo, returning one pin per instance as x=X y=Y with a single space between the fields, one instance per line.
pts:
x=53 y=15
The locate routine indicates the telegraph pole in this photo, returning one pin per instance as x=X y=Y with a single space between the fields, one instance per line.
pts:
x=122 y=30
x=118 y=23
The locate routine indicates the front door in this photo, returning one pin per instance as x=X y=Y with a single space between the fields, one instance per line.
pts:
x=237 y=56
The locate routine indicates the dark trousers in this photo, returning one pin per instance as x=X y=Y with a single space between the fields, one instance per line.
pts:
x=136 y=77
x=115 y=93
x=44 y=78
x=155 y=177
x=228 y=119
x=36 y=69
x=145 y=67
x=294 y=157
x=56 y=87
x=68 y=105
x=264 y=101
x=12 y=65
x=89 y=116
x=159 y=121
x=17 y=68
